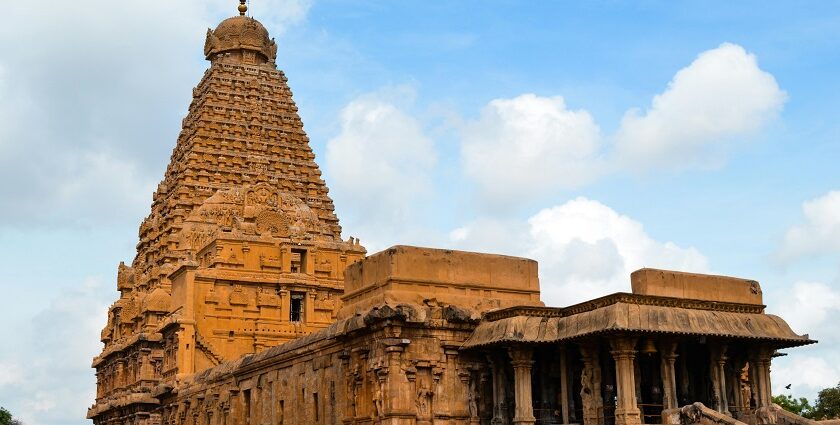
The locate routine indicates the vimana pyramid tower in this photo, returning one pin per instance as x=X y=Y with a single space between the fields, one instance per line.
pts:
x=241 y=250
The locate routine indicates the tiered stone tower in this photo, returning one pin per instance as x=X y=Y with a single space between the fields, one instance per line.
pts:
x=242 y=249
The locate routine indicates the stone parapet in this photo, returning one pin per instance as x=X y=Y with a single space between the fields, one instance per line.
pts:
x=696 y=286
x=408 y=274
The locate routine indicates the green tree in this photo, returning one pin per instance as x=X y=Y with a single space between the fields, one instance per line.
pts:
x=827 y=405
x=800 y=406
x=5 y=416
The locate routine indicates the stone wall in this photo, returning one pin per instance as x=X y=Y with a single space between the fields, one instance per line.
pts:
x=389 y=365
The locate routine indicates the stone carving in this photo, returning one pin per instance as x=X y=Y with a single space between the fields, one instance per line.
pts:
x=125 y=277
x=241 y=196
x=261 y=195
x=267 y=297
x=766 y=415
x=472 y=399
x=272 y=222
x=378 y=401
x=424 y=400
x=238 y=296
x=323 y=265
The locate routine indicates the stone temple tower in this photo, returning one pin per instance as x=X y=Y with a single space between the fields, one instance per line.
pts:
x=241 y=250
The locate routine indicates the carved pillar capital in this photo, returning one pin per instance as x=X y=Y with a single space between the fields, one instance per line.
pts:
x=623 y=345
x=521 y=355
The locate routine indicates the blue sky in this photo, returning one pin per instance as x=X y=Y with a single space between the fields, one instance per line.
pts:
x=596 y=137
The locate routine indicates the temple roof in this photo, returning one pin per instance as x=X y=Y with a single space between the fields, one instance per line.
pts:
x=623 y=312
x=240 y=33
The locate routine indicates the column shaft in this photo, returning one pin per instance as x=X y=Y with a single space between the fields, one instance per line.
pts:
x=624 y=352
x=668 y=350
x=564 y=386
x=522 y=363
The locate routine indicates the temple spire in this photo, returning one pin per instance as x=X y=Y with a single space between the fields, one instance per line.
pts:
x=242 y=8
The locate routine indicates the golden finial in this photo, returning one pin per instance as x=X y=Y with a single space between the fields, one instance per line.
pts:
x=242 y=8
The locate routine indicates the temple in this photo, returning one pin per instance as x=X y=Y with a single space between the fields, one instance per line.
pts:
x=244 y=305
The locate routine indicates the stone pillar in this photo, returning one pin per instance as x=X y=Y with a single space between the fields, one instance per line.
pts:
x=736 y=365
x=121 y=379
x=522 y=362
x=285 y=301
x=765 y=412
x=624 y=352
x=755 y=390
x=765 y=356
x=564 y=384
x=760 y=377
x=668 y=354
x=499 y=378
x=470 y=385
x=718 y=372
x=590 y=385
x=309 y=307
x=346 y=410
x=397 y=400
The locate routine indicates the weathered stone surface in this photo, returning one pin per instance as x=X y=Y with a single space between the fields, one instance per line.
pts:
x=241 y=250
x=634 y=313
x=243 y=304
x=696 y=286
x=406 y=274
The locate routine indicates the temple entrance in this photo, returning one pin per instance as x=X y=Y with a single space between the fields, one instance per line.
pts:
x=693 y=375
x=649 y=391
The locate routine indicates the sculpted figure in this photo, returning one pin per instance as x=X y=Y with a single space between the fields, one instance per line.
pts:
x=586 y=396
x=377 y=402
x=354 y=397
x=472 y=396
x=210 y=43
x=424 y=399
x=272 y=51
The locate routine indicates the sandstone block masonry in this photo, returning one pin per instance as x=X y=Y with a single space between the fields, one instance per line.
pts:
x=243 y=304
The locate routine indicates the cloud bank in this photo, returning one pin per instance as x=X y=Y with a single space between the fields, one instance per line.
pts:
x=91 y=101
x=721 y=97
x=819 y=233
x=531 y=145
x=381 y=158
x=585 y=249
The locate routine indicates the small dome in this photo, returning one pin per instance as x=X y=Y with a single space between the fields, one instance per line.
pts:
x=237 y=35
x=157 y=302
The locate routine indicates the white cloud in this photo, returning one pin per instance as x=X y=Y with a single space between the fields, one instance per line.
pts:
x=528 y=145
x=531 y=145
x=819 y=234
x=276 y=15
x=806 y=374
x=806 y=307
x=721 y=97
x=51 y=381
x=10 y=374
x=812 y=308
x=585 y=249
x=104 y=86
x=383 y=159
x=809 y=307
